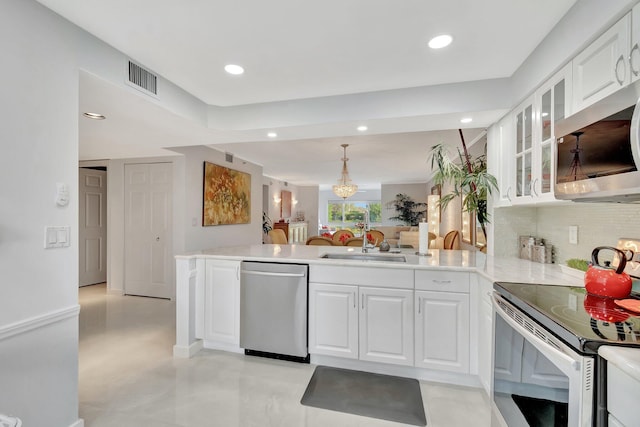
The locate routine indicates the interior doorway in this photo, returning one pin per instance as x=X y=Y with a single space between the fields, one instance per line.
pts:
x=148 y=208
x=92 y=225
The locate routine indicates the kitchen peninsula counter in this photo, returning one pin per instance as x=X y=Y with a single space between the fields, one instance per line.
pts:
x=451 y=283
x=492 y=268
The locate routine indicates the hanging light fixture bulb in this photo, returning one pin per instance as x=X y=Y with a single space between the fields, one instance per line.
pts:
x=345 y=188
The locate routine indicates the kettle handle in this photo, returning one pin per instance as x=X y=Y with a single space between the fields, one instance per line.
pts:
x=622 y=255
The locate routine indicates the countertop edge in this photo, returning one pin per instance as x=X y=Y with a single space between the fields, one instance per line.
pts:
x=626 y=359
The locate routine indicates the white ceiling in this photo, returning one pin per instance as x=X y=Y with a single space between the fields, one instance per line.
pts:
x=294 y=49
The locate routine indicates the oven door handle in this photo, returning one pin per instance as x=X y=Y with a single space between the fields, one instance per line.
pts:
x=559 y=356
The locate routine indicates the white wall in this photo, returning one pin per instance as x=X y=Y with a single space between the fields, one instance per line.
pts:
x=275 y=194
x=418 y=192
x=197 y=237
x=39 y=137
x=308 y=202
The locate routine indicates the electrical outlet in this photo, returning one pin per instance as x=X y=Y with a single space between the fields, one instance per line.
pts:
x=573 y=234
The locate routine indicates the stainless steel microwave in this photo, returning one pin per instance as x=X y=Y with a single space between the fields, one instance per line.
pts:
x=598 y=162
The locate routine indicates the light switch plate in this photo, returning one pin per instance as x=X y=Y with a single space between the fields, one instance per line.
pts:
x=56 y=237
x=573 y=234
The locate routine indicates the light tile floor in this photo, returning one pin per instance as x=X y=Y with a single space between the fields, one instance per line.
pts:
x=128 y=378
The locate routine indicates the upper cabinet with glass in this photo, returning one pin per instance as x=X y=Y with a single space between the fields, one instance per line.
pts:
x=534 y=140
x=551 y=106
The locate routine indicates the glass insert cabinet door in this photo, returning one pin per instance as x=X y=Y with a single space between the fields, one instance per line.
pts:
x=524 y=150
x=552 y=109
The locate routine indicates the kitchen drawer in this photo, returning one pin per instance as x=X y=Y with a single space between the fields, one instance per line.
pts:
x=622 y=396
x=442 y=280
x=363 y=276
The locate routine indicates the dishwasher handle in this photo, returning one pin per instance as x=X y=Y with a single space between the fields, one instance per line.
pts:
x=269 y=273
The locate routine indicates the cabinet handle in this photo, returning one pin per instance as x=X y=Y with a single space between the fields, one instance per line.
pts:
x=238 y=272
x=637 y=49
x=419 y=304
x=618 y=62
x=441 y=281
x=362 y=298
x=533 y=187
x=355 y=298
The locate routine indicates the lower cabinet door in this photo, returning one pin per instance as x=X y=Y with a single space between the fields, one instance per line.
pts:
x=442 y=331
x=386 y=325
x=222 y=301
x=333 y=320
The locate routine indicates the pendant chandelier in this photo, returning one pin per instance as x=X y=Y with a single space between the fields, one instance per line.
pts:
x=345 y=188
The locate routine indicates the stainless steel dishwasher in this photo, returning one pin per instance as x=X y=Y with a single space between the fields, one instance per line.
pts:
x=273 y=310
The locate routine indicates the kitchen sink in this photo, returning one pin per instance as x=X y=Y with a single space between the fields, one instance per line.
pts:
x=367 y=257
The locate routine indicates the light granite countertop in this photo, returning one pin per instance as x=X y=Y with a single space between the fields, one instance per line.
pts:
x=492 y=268
x=626 y=359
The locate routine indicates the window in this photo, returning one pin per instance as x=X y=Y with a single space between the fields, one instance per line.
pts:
x=347 y=214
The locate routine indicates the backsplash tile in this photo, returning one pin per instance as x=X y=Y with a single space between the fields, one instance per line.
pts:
x=599 y=224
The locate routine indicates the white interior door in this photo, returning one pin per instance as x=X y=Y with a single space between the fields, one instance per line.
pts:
x=92 y=227
x=148 y=263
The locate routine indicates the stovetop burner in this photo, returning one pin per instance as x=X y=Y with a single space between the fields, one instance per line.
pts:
x=582 y=320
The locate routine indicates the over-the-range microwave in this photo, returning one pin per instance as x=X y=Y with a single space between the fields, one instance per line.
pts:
x=598 y=155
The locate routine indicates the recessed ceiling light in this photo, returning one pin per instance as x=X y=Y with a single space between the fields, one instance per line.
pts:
x=94 y=116
x=441 y=41
x=362 y=128
x=234 y=69
x=545 y=114
x=272 y=134
x=466 y=120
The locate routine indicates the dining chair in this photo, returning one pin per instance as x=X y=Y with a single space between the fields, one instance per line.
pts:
x=354 y=241
x=319 y=241
x=341 y=236
x=375 y=237
x=278 y=237
x=452 y=240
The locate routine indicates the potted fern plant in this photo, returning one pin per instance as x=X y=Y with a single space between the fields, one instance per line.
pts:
x=409 y=211
x=468 y=178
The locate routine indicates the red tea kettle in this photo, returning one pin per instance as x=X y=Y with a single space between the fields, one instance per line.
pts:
x=604 y=280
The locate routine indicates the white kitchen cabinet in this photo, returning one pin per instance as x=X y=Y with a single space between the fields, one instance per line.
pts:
x=634 y=50
x=442 y=331
x=602 y=69
x=442 y=320
x=333 y=320
x=523 y=152
x=622 y=397
x=533 y=143
x=551 y=105
x=500 y=146
x=222 y=303
x=386 y=325
x=484 y=329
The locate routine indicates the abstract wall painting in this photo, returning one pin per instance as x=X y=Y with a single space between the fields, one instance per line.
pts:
x=226 y=196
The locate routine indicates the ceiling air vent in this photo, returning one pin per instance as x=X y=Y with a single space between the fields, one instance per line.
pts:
x=143 y=79
x=228 y=157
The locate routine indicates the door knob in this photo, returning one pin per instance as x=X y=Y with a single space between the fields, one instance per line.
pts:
x=157 y=239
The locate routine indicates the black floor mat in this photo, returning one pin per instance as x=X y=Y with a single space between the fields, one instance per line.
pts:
x=362 y=393
x=542 y=412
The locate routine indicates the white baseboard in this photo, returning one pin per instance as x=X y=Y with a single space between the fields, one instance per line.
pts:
x=79 y=423
x=183 y=352
x=24 y=326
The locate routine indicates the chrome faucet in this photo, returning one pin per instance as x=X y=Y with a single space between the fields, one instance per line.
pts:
x=365 y=242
